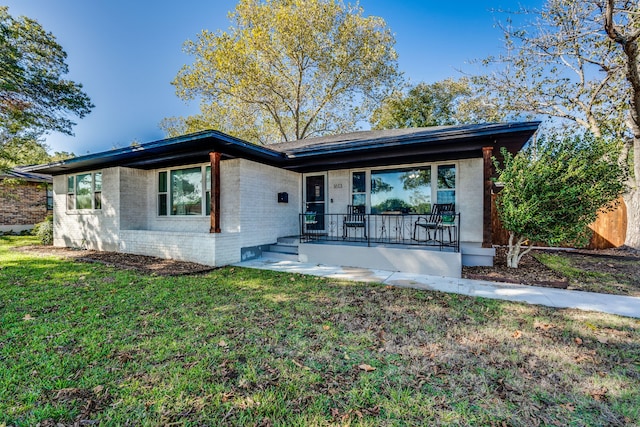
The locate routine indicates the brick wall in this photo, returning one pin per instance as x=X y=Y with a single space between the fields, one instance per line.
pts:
x=94 y=229
x=22 y=204
x=262 y=218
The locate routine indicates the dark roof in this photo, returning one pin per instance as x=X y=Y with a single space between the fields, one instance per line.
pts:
x=24 y=175
x=357 y=149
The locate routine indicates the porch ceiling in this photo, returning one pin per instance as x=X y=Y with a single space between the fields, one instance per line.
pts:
x=354 y=150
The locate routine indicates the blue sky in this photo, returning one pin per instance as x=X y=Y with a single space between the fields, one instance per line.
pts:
x=125 y=53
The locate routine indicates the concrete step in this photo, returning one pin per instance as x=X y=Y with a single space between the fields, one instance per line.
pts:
x=284 y=249
x=289 y=241
x=279 y=256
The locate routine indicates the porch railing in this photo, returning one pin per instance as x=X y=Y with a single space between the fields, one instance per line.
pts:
x=441 y=231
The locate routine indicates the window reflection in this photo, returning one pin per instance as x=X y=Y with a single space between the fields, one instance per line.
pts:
x=403 y=190
x=186 y=192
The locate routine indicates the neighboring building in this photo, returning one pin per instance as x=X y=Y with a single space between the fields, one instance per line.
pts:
x=26 y=198
x=215 y=199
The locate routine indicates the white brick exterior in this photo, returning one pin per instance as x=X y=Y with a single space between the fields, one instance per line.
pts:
x=93 y=229
x=250 y=213
x=262 y=218
x=470 y=189
x=128 y=221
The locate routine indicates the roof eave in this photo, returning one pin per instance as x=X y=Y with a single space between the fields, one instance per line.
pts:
x=433 y=138
x=166 y=152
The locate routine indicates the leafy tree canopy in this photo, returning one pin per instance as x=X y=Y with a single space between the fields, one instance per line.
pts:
x=34 y=96
x=287 y=70
x=448 y=102
x=578 y=61
x=23 y=151
x=554 y=189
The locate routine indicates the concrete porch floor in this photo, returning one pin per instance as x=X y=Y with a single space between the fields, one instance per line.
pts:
x=558 y=298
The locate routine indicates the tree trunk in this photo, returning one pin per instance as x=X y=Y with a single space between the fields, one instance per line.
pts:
x=515 y=252
x=632 y=200
x=629 y=44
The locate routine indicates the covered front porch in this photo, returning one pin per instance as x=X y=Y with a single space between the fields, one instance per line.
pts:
x=391 y=241
x=376 y=256
x=439 y=231
x=396 y=241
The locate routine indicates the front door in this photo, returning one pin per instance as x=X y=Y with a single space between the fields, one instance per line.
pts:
x=315 y=199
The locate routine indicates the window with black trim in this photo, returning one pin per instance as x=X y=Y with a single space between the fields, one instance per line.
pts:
x=412 y=190
x=49 y=197
x=359 y=188
x=84 y=191
x=184 y=192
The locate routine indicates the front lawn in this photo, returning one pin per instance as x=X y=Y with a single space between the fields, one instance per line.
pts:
x=596 y=272
x=90 y=344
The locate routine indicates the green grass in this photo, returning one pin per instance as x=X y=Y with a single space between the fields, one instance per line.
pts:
x=610 y=275
x=85 y=342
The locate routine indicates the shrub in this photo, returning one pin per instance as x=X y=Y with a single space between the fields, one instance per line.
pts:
x=554 y=190
x=44 y=230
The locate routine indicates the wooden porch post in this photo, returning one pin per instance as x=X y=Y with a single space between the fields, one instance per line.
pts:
x=487 y=221
x=214 y=157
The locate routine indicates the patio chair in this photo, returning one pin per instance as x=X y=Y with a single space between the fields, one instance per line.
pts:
x=355 y=218
x=448 y=222
x=432 y=221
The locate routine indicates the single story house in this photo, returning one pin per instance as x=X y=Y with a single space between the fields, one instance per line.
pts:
x=363 y=199
x=26 y=198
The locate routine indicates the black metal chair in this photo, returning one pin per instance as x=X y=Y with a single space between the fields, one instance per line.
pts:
x=433 y=220
x=355 y=218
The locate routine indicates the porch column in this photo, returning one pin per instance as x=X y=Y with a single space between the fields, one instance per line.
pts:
x=214 y=157
x=487 y=221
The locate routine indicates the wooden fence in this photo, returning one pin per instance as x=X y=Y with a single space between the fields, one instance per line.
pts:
x=608 y=231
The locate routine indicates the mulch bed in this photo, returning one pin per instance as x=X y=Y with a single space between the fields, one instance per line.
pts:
x=146 y=264
x=530 y=271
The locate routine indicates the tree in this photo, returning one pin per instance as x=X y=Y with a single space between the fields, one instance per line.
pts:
x=23 y=151
x=61 y=155
x=554 y=190
x=561 y=63
x=622 y=26
x=34 y=96
x=287 y=70
x=448 y=102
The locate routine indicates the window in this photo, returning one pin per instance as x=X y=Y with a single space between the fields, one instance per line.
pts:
x=84 y=191
x=412 y=190
x=49 y=197
x=359 y=189
x=184 y=192
x=162 y=193
x=446 y=184
x=404 y=190
x=97 y=190
x=71 y=193
x=207 y=179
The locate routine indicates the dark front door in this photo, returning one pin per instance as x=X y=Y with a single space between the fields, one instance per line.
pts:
x=315 y=199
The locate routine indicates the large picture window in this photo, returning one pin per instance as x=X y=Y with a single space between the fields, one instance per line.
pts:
x=184 y=191
x=84 y=191
x=412 y=190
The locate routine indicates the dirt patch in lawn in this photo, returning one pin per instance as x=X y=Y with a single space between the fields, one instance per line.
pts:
x=612 y=271
x=142 y=263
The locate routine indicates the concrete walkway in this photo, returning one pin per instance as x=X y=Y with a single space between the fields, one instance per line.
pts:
x=559 y=298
